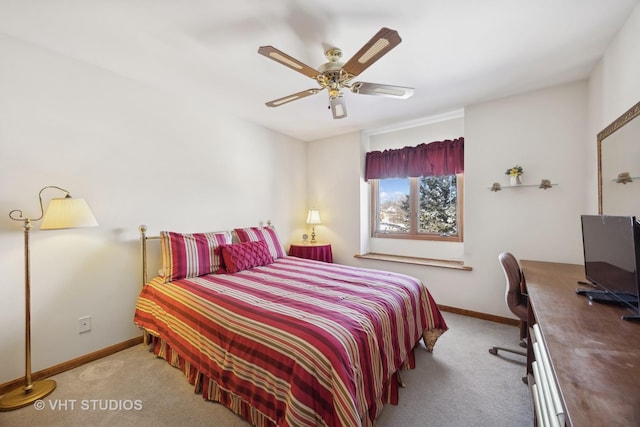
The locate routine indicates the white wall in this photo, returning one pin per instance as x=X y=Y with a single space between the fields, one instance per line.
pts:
x=544 y=131
x=136 y=155
x=614 y=87
x=333 y=166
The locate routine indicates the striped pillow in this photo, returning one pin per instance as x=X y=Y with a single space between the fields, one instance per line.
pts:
x=191 y=255
x=267 y=234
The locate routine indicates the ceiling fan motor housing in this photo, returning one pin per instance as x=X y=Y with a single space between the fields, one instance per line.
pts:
x=334 y=54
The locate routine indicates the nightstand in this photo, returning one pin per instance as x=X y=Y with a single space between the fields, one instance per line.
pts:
x=317 y=251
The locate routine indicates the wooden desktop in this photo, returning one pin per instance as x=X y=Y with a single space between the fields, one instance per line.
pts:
x=594 y=354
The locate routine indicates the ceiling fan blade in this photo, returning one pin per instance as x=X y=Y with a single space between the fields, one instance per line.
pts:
x=390 y=91
x=374 y=49
x=286 y=60
x=278 y=102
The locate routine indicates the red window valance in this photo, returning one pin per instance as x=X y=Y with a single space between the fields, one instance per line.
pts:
x=432 y=159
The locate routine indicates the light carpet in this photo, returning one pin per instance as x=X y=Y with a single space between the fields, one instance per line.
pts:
x=459 y=384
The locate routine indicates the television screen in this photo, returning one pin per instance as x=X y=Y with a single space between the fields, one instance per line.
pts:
x=611 y=255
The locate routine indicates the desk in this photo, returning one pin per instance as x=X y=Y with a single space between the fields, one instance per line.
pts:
x=317 y=251
x=595 y=355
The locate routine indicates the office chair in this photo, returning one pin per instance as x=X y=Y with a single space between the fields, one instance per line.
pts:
x=516 y=299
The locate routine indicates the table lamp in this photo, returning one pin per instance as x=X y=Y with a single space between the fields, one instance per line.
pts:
x=313 y=218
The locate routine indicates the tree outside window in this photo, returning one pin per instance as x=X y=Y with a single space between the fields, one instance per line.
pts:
x=428 y=208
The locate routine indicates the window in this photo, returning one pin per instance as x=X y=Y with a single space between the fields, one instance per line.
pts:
x=428 y=208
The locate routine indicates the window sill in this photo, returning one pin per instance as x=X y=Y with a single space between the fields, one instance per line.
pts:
x=456 y=265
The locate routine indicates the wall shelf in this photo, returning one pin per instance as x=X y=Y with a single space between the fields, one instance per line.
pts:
x=545 y=184
x=625 y=179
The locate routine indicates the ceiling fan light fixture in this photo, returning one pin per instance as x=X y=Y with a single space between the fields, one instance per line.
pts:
x=338 y=107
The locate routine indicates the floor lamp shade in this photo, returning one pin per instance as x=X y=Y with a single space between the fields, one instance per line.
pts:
x=65 y=212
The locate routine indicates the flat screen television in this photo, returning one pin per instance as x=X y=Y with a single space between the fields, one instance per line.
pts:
x=612 y=259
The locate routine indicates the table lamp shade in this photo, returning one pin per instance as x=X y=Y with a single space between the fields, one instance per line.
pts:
x=313 y=217
x=67 y=212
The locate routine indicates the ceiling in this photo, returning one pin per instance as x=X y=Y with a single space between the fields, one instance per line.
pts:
x=454 y=53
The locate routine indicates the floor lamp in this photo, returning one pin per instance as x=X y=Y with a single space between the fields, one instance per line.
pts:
x=61 y=213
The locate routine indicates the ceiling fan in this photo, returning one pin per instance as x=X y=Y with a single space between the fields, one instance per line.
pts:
x=335 y=76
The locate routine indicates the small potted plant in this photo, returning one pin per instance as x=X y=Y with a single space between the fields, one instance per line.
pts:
x=514 y=174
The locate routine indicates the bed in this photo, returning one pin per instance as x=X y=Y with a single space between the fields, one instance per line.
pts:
x=279 y=340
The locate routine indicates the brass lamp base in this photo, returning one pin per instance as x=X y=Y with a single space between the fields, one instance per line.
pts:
x=19 y=398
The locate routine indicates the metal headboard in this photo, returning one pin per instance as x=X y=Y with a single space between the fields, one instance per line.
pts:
x=143 y=247
x=143 y=250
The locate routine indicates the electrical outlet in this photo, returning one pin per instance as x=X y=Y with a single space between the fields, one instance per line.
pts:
x=84 y=324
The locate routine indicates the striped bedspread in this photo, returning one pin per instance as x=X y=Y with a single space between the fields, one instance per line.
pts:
x=293 y=343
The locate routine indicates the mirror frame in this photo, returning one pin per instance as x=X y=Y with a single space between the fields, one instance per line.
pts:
x=625 y=118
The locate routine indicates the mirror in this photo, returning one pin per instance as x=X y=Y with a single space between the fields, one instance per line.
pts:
x=619 y=154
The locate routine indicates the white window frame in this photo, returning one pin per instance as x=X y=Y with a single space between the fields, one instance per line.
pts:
x=413 y=233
